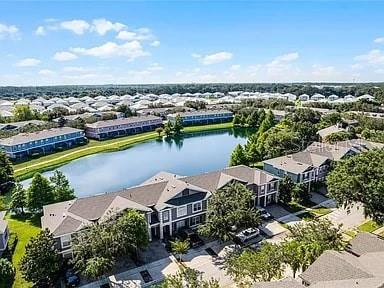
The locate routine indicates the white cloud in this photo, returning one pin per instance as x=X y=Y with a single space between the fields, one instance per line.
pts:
x=74 y=69
x=40 y=31
x=46 y=72
x=9 y=31
x=131 y=50
x=324 y=73
x=379 y=40
x=214 y=58
x=140 y=34
x=155 y=43
x=76 y=26
x=64 y=56
x=373 y=57
x=28 y=62
x=235 y=67
x=285 y=58
x=102 y=26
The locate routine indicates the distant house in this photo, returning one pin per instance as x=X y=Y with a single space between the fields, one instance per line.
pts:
x=312 y=164
x=169 y=202
x=361 y=265
x=323 y=133
x=202 y=117
x=4 y=232
x=21 y=124
x=122 y=126
x=42 y=142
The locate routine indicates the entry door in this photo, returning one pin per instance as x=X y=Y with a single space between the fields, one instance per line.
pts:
x=166 y=231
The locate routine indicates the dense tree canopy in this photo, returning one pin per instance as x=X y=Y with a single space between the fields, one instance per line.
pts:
x=360 y=179
x=39 y=193
x=6 y=174
x=188 y=278
x=229 y=207
x=41 y=261
x=97 y=247
x=62 y=190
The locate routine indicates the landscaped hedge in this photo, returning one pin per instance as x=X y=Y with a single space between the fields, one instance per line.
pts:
x=12 y=242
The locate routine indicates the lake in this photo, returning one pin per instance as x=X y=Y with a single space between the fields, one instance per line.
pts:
x=190 y=154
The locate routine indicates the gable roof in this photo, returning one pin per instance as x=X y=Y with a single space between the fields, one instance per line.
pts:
x=333 y=265
x=330 y=130
x=365 y=243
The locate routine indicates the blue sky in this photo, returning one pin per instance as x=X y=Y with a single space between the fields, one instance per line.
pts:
x=73 y=42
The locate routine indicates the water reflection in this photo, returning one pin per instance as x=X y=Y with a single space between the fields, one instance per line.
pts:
x=189 y=154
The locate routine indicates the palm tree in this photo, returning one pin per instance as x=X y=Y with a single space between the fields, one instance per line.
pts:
x=180 y=247
x=159 y=130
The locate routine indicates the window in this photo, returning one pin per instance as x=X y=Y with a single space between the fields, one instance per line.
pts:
x=195 y=220
x=65 y=241
x=166 y=216
x=180 y=224
x=182 y=211
x=197 y=207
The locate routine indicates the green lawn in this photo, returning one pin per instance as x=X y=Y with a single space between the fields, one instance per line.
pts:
x=307 y=216
x=321 y=211
x=27 y=169
x=369 y=226
x=25 y=230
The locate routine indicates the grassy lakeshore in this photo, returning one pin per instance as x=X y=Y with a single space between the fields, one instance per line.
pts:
x=27 y=169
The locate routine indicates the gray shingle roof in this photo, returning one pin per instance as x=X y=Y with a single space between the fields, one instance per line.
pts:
x=365 y=243
x=201 y=112
x=332 y=265
x=330 y=130
x=285 y=283
x=41 y=135
x=68 y=225
x=121 y=121
x=351 y=283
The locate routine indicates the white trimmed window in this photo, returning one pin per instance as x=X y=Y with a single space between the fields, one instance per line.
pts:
x=182 y=211
x=197 y=207
x=195 y=220
x=65 y=241
x=166 y=216
x=180 y=224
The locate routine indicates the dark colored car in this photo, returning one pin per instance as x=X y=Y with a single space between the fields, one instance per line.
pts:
x=194 y=239
x=71 y=278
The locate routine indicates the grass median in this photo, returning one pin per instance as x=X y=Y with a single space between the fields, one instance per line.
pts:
x=49 y=162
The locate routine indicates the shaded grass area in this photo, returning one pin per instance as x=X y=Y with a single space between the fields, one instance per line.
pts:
x=49 y=162
x=25 y=228
x=321 y=211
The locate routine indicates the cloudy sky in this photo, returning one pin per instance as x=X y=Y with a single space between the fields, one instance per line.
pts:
x=72 y=42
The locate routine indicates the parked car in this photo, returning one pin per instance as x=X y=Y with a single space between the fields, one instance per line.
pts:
x=264 y=214
x=248 y=234
x=71 y=278
x=194 y=239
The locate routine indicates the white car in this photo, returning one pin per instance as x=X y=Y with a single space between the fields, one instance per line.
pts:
x=248 y=234
x=264 y=214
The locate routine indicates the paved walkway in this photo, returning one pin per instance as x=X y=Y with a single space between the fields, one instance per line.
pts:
x=349 y=219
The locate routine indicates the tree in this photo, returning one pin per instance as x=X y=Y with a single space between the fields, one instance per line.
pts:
x=7 y=271
x=159 y=130
x=178 y=125
x=168 y=128
x=360 y=179
x=97 y=267
x=317 y=237
x=236 y=120
x=62 y=190
x=6 y=174
x=61 y=121
x=252 y=119
x=18 y=199
x=285 y=190
x=294 y=255
x=40 y=193
x=338 y=136
x=23 y=113
x=238 y=156
x=300 y=193
x=180 y=247
x=102 y=244
x=125 y=110
x=188 y=278
x=228 y=208
x=252 y=266
x=41 y=261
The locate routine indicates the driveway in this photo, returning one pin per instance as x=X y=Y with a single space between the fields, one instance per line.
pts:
x=272 y=228
x=282 y=215
x=349 y=219
x=210 y=266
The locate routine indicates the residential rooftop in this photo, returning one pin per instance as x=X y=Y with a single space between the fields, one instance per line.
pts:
x=122 y=121
x=40 y=135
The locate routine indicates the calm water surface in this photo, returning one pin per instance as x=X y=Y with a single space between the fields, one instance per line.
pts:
x=189 y=155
